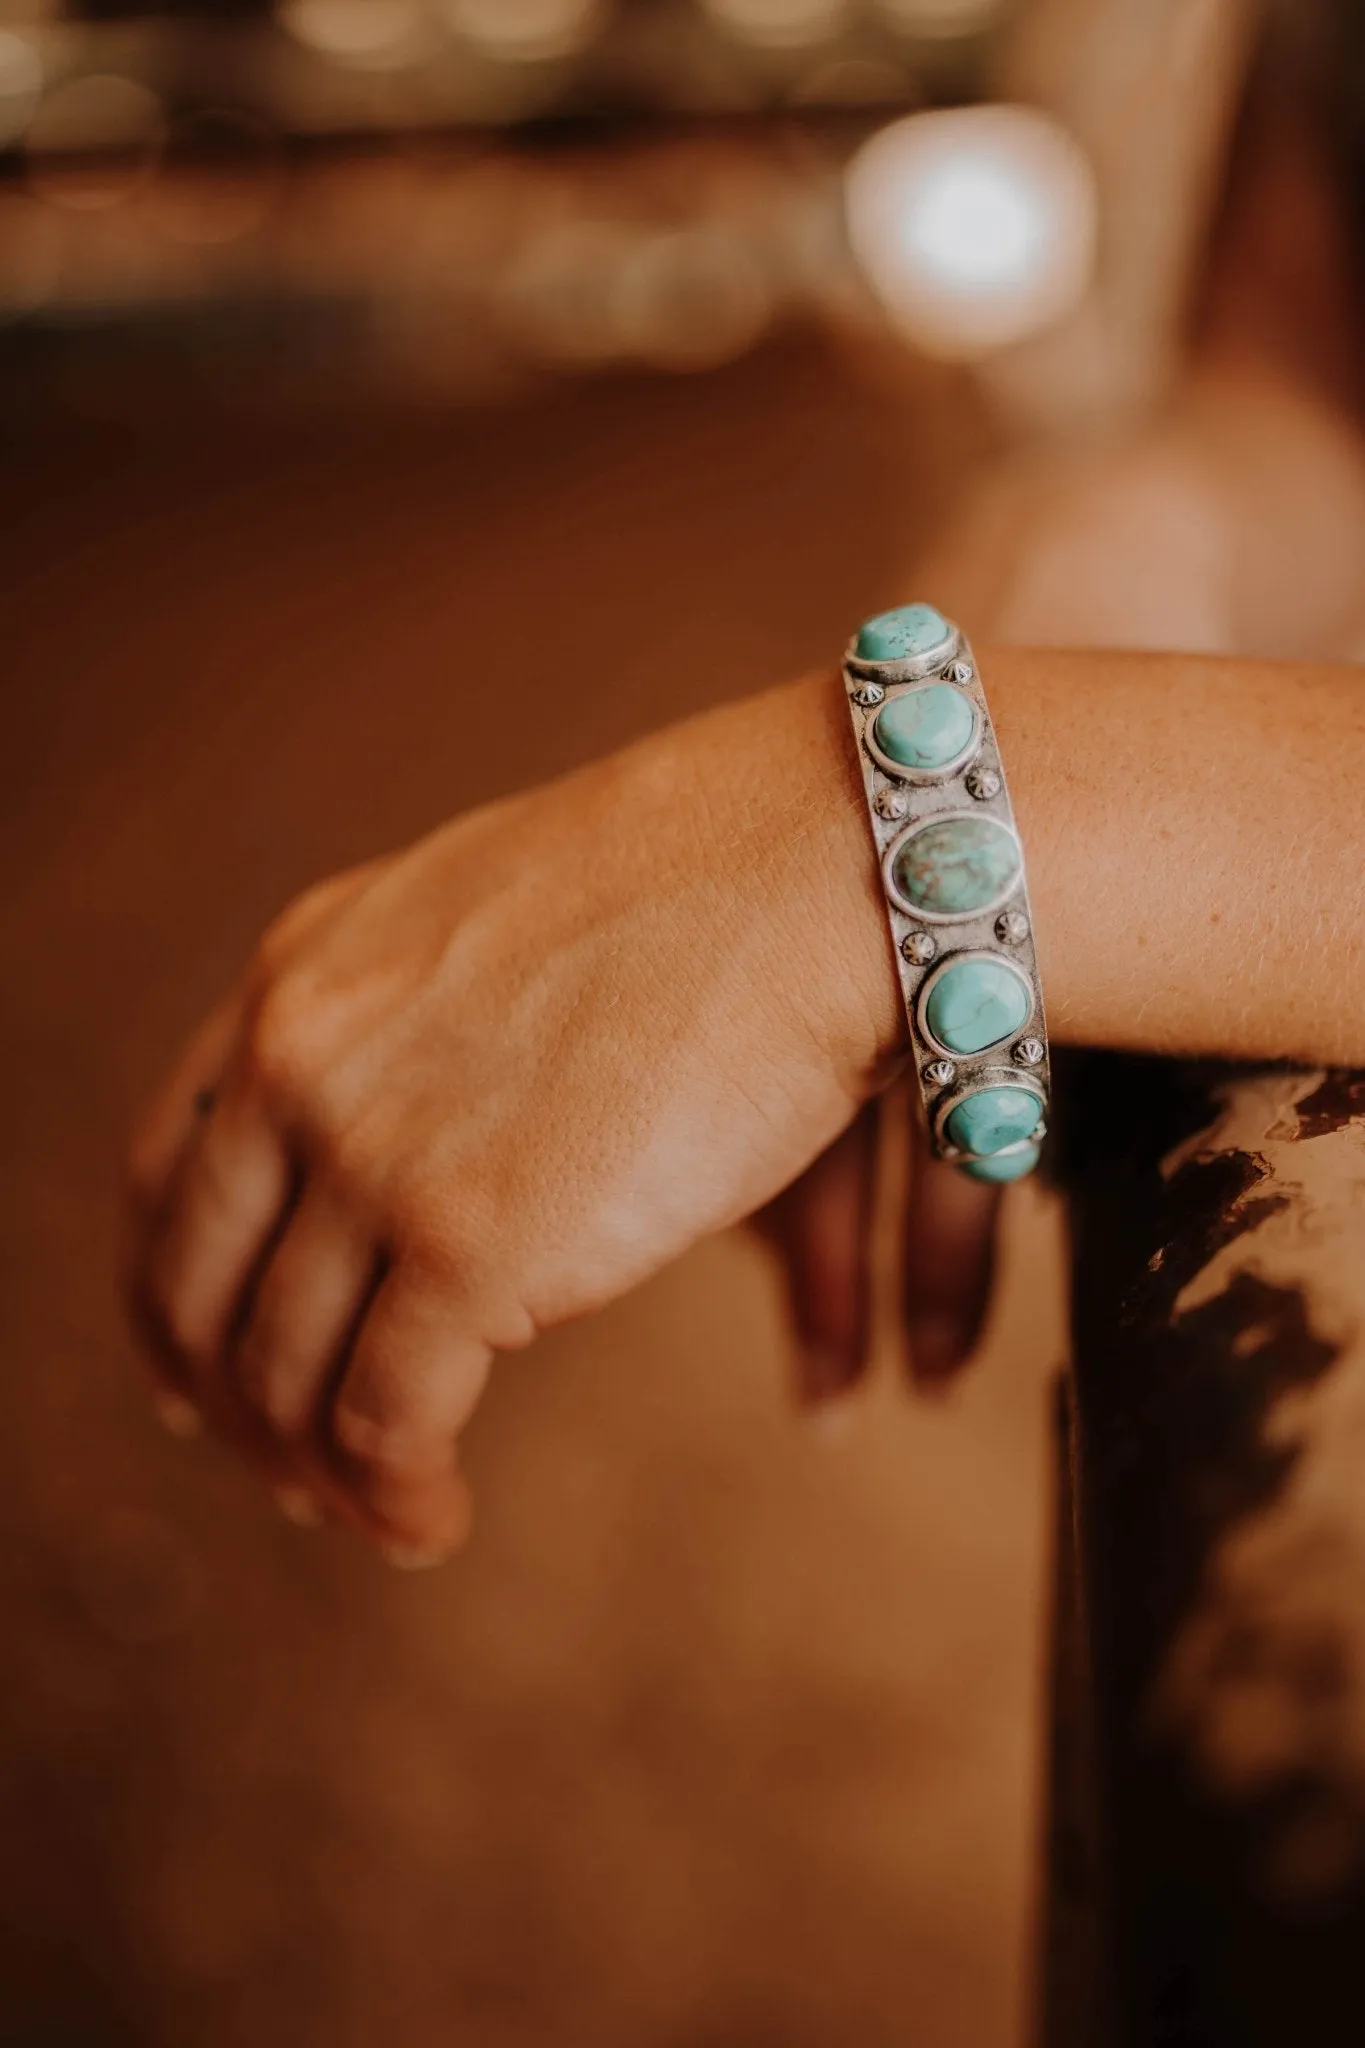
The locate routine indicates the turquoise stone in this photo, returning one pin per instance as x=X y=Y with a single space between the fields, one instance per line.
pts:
x=976 y=1003
x=925 y=728
x=1008 y=1166
x=993 y=1118
x=952 y=867
x=895 y=636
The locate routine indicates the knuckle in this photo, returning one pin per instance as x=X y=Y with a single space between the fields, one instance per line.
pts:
x=380 y=1447
x=444 y=1234
x=279 y=1050
x=283 y=935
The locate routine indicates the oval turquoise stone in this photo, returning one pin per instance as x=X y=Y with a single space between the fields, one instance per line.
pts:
x=895 y=636
x=925 y=728
x=993 y=1118
x=1009 y=1166
x=976 y=1003
x=951 y=867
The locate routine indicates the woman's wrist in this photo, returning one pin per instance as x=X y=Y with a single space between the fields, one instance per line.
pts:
x=1191 y=828
x=774 y=784
x=1192 y=853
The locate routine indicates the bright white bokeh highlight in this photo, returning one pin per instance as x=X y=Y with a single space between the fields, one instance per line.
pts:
x=975 y=226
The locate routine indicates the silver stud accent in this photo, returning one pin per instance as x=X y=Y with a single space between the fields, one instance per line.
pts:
x=940 y=1073
x=1011 y=927
x=958 y=672
x=1030 y=1052
x=983 y=784
x=868 y=694
x=891 y=803
x=920 y=948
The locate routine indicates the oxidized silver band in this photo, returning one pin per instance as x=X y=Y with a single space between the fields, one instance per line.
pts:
x=952 y=871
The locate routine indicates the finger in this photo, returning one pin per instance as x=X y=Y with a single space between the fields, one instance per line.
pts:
x=169 y=1121
x=165 y=1127
x=822 y=1225
x=412 y=1382
x=300 y=1316
x=947 y=1269
x=227 y=1201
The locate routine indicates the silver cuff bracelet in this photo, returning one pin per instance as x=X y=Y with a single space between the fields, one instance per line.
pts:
x=952 y=870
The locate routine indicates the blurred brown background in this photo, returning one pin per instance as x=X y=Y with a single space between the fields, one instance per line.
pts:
x=351 y=475
x=723 y=1732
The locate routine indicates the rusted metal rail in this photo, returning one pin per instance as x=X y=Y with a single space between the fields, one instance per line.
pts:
x=1209 y=1876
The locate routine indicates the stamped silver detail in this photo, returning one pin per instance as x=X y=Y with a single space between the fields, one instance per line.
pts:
x=983 y=784
x=901 y=801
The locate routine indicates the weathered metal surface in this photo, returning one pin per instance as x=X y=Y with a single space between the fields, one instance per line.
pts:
x=1071 y=1971
x=1219 y=1300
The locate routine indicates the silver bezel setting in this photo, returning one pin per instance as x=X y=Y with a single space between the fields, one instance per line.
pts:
x=905 y=833
x=900 y=771
x=910 y=668
x=991 y=1077
x=935 y=796
x=936 y=973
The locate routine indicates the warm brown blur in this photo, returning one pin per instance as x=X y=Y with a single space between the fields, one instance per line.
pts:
x=367 y=458
x=722 y=1732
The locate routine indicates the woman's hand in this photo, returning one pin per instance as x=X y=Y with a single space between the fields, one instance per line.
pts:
x=491 y=1083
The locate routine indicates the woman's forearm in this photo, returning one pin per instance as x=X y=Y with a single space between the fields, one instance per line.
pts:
x=1192 y=827
x=493 y=1081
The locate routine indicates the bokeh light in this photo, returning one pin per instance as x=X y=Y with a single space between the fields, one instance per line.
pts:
x=369 y=34
x=693 y=298
x=559 y=297
x=940 y=18
x=21 y=81
x=527 y=31
x=780 y=24
x=92 y=140
x=975 y=226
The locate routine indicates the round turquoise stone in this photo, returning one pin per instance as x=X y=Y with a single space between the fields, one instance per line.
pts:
x=925 y=728
x=993 y=1118
x=976 y=1003
x=953 y=867
x=1008 y=1166
x=895 y=636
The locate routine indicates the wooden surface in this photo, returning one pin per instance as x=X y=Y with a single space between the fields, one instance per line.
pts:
x=1220 y=1333
x=724 y=1735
